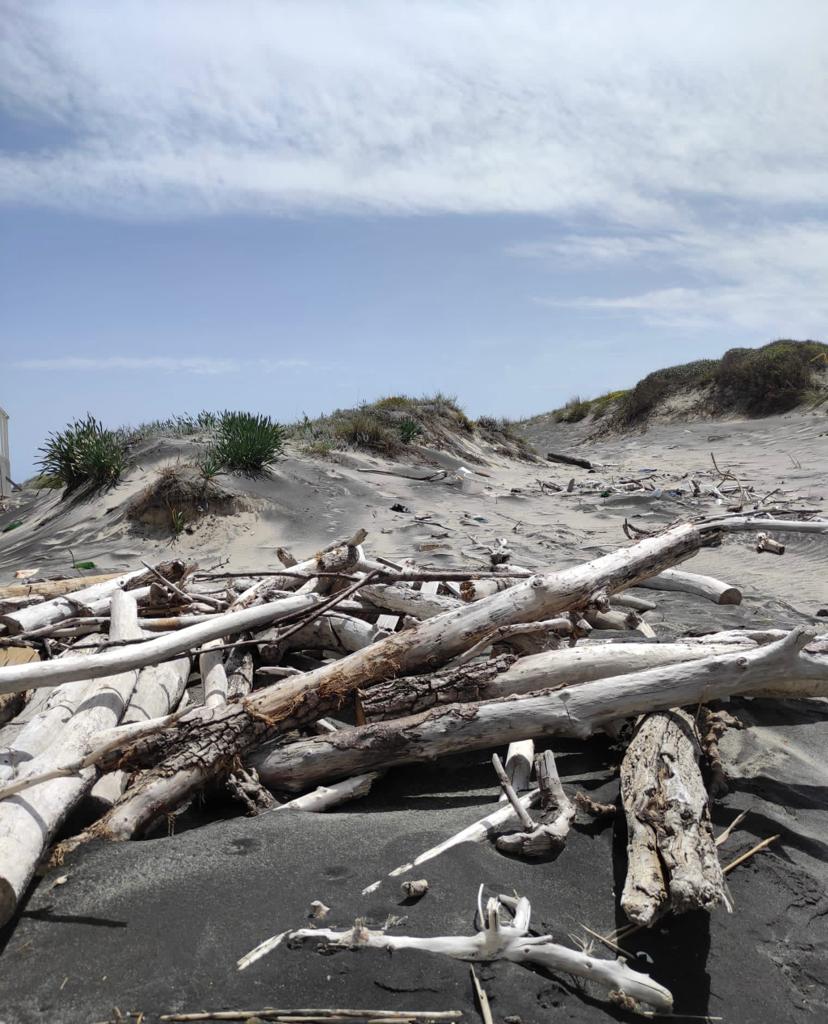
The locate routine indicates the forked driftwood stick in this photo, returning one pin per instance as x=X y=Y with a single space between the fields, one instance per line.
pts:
x=498 y=941
x=557 y=814
x=474 y=833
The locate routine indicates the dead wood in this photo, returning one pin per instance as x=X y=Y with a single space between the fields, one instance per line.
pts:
x=672 y=864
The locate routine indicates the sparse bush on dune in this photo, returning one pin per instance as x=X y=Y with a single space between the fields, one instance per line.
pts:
x=773 y=378
x=245 y=442
x=366 y=428
x=640 y=401
x=575 y=410
x=84 y=454
x=753 y=381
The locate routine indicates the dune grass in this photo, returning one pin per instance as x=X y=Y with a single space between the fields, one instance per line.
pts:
x=84 y=454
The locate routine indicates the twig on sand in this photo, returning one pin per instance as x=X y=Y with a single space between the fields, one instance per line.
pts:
x=737 y=821
x=746 y=856
x=270 y=1013
x=482 y=998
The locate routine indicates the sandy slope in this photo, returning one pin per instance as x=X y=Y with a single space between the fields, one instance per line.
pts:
x=158 y=925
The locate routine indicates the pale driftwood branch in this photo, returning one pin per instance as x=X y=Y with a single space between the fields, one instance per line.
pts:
x=780 y=668
x=707 y=587
x=474 y=833
x=497 y=941
x=59 y=608
x=324 y=797
x=672 y=863
x=519 y=759
x=28 y=824
x=14 y=678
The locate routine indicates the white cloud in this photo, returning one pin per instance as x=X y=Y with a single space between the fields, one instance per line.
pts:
x=196 y=364
x=749 y=277
x=627 y=110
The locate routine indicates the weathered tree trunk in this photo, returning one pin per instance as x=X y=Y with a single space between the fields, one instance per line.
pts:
x=28 y=822
x=672 y=864
x=505 y=675
x=781 y=668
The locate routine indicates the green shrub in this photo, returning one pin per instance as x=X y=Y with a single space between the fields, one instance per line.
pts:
x=84 y=454
x=409 y=429
x=365 y=428
x=773 y=378
x=638 y=403
x=244 y=443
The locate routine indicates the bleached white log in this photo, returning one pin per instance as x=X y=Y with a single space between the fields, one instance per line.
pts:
x=14 y=678
x=324 y=797
x=404 y=601
x=44 y=716
x=341 y=559
x=639 y=604
x=498 y=941
x=736 y=523
x=213 y=676
x=28 y=823
x=158 y=691
x=519 y=759
x=59 y=608
x=780 y=668
x=707 y=587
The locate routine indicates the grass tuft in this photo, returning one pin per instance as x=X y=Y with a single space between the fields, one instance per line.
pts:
x=244 y=443
x=84 y=454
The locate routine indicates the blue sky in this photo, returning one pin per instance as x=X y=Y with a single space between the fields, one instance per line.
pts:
x=292 y=206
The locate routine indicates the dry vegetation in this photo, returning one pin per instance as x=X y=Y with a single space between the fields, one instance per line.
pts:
x=775 y=378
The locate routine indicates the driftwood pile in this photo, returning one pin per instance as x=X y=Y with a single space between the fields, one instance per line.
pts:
x=157 y=684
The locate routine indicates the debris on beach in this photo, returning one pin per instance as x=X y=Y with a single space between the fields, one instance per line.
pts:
x=299 y=687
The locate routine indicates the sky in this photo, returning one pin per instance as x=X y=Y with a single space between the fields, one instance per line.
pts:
x=290 y=206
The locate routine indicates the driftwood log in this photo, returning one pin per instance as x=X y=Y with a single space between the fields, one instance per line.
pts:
x=211 y=742
x=672 y=864
x=781 y=669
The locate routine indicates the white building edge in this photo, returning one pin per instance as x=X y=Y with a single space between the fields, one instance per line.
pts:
x=5 y=465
